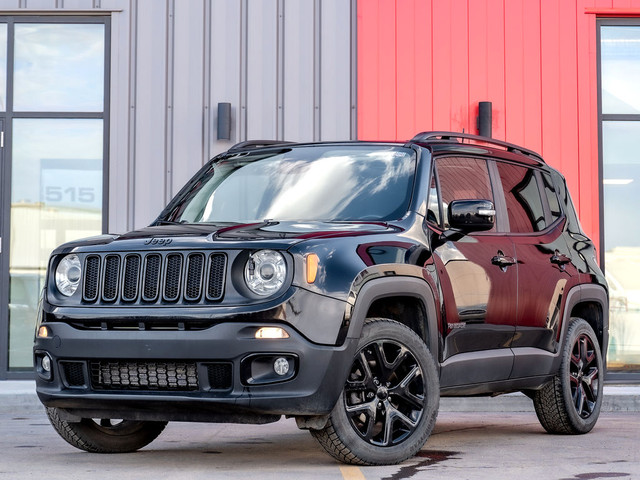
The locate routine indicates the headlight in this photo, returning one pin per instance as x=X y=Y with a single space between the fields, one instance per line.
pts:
x=265 y=272
x=68 y=275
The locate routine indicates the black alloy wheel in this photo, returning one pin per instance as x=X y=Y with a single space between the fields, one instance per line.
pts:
x=390 y=399
x=570 y=403
x=384 y=394
x=584 y=375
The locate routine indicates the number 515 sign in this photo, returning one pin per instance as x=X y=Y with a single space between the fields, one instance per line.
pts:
x=71 y=183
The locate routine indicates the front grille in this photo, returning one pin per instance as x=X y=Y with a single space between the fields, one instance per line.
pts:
x=193 y=285
x=111 y=274
x=172 y=277
x=92 y=268
x=151 y=277
x=73 y=373
x=217 y=267
x=137 y=375
x=147 y=278
x=220 y=376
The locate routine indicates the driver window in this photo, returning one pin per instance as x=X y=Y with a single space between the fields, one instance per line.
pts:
x=462 y=178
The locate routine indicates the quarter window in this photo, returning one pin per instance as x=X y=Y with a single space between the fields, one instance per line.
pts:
x=552 y=197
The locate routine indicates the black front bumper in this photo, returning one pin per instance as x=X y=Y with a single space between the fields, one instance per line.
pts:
x=313 y=389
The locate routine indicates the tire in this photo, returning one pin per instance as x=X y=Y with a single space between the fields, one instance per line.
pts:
x=106 y=436
x=389 y=403
x=570 y=403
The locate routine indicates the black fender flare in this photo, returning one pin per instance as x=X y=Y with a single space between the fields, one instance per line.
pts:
x=391 y=287
x=585 y=293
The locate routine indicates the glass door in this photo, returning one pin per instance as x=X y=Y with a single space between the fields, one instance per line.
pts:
x=54 y=183
x=619 y=42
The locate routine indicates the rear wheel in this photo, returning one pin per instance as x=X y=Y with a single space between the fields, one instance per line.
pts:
x=571 y=402
x=106 y=435
x=389 y=404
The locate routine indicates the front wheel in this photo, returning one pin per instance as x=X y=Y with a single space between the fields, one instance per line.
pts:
x=389 y=404
x=106 y=435
x=570 y=403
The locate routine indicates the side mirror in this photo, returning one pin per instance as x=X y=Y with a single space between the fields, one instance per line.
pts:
x=472 y=215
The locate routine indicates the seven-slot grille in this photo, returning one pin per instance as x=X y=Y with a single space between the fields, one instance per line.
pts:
x=154 y=277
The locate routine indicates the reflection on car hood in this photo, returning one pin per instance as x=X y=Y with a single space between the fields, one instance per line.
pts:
x=268 y=233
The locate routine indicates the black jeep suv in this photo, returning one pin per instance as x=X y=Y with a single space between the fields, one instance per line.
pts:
x=348 y=285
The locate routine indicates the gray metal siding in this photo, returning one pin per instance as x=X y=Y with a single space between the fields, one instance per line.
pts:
x=286 y=67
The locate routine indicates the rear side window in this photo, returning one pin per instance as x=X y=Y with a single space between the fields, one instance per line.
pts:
x=522 y=196
x=462 y=178
x=552 y=197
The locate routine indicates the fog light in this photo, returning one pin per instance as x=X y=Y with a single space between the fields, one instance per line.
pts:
x=43 y=332
x=271 y=332
x=281 y=366
x=46 y=363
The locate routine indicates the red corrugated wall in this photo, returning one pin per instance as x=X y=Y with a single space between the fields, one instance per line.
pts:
x=425 y=65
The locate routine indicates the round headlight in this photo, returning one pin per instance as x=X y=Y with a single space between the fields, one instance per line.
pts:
x=265 y=272
x=68 y=275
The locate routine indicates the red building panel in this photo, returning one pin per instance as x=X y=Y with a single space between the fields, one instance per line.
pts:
x=425 y=65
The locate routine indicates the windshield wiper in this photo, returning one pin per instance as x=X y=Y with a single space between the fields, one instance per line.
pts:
x=169 y=222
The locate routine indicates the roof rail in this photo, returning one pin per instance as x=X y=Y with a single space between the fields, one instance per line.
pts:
x=249 y=144
x=509 y=147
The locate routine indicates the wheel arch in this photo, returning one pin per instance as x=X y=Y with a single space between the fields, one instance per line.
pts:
x=407 y=300
x=591 y=303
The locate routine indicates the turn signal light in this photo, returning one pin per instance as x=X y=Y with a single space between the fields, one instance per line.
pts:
x=312 y=267
x=43 y=332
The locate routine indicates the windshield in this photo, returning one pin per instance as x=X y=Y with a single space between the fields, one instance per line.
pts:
x=326 y=183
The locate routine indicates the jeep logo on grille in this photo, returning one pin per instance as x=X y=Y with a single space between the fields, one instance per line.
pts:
x=158 y=241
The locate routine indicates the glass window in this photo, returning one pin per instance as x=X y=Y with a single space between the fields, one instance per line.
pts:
x=59 y=67
x=56 y=196
x=3 y=67
x=552 y=197
x=55 y=164
x=319 y=183
x=620 y=69
x=524 y=205
x=621 y=178
x=462 y=179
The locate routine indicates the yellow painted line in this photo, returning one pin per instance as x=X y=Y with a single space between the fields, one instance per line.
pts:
x=351 y=473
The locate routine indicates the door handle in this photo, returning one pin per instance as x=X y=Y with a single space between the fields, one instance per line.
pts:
x=503 y=261
x=559 y=259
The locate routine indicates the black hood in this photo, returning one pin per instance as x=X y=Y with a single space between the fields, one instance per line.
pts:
x=202 y=236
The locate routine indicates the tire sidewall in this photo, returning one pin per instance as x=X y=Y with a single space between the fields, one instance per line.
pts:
x=371 y=454
x=577 y=328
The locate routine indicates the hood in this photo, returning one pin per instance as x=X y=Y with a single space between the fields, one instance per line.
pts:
x=203 y=236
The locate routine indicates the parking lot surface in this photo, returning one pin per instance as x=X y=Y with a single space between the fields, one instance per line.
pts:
x=463 y=446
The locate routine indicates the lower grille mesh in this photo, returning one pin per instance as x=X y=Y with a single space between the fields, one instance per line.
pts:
x=136 y=375
x=74 y=373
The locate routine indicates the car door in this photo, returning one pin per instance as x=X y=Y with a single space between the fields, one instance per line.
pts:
x=478 y=276
x=545 y=271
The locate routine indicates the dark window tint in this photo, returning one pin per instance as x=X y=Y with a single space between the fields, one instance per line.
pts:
x=462 y=179
x=524 y=205
x=552 y=197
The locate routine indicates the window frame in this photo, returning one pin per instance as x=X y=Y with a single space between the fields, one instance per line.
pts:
x=502 y=218
x=618 y=376
x=7 y=116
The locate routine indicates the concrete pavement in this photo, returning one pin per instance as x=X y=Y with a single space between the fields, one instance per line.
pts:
x=463 y=446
